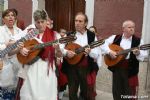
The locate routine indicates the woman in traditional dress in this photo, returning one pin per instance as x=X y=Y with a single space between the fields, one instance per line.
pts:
x=40 y=81
x=9 y=33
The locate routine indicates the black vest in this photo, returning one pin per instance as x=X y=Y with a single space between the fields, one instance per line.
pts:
x=133 y=67
x=91 y=64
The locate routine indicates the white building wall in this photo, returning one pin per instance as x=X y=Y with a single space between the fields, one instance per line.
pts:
x=5 y=4
x=34 y=7
x=146 y=38
x=37 y=4
x=41 y=4
x=90 y=11
x=146 y=22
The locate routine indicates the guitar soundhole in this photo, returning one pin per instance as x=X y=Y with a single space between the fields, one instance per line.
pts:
x=116 y=50
x=32 y=44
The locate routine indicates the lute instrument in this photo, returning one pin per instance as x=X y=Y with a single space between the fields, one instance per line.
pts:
x=35 y=47
x=79 y=51
x=121 y=53
x=33 y=32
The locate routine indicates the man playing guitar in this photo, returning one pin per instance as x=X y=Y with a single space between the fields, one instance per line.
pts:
x=125 y=73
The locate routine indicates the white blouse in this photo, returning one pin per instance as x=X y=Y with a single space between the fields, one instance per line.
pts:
x=8 y=74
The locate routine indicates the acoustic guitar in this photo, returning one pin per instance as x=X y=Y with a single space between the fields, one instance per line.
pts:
x=33 y=32
x=80 y=50
x=35 y=47
x=121 y=53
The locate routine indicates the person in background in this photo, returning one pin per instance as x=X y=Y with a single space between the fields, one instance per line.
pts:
x=49 y=23
x=9 y=34
x=94 y=30
x=62 y=32
x=19 y=23
x=99 y=59
x=125 y=73
x=62 y=79
x=39 y=77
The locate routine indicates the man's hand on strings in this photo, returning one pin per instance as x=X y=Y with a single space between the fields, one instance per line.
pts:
x=136 y=52
x=87 y=51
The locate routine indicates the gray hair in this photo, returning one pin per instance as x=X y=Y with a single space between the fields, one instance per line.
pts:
x=40 y=14
x=125 y=23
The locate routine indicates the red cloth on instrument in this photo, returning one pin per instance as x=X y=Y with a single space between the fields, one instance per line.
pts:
x=48 y=52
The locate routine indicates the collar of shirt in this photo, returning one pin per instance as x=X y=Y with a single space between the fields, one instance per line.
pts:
x=81 y=38
x=79 y=33
x=123 y=37
x=16 y=30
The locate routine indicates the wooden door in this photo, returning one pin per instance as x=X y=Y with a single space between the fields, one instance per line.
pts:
x=63 y=12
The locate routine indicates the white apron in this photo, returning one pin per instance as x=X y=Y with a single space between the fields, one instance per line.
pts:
x=38 y=85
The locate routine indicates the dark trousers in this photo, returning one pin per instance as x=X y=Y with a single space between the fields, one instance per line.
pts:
x=120 y=84
x=77 y=76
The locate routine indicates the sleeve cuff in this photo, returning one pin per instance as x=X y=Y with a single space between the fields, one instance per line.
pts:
x=2 y=47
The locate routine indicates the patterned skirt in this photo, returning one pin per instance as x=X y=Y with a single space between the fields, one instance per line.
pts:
x=7 y=93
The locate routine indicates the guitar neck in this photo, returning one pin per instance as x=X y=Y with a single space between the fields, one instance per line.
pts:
x=42 y=45
x=126 y=51
x=142 y=47
x=91 y=45
x=81 y=49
